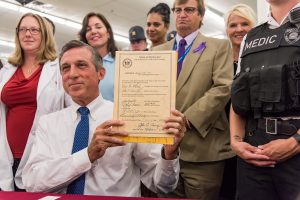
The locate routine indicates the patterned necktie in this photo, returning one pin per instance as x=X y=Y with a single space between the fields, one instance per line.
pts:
x=81 y=140
x=181 y=50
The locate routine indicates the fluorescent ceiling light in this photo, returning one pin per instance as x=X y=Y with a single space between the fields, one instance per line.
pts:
x=4 y=55
x=121 y=38
x=7 y=43
x=219 y=36
x=24 y=10
x=56 y=19
x=73 y=24
x=40 y=6
x=9 y=6
x=216 y=17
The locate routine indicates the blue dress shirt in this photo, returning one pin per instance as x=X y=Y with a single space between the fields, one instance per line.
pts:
x=107 y=84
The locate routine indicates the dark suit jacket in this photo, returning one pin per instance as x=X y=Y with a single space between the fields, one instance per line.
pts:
x=202 y=91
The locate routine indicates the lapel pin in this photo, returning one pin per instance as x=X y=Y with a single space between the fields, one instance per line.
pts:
x=200 y=48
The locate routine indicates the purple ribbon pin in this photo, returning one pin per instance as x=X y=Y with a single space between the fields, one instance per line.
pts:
x=200 y=48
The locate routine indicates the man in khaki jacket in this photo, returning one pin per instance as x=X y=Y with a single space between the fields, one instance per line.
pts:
x=203 y=89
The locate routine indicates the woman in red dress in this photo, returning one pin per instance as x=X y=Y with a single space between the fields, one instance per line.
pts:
x=30 y=86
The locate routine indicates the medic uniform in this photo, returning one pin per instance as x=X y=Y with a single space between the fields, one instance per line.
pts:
x=266 y=92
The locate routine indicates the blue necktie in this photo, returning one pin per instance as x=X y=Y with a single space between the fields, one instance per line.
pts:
x=181 y=51
x=81 y=140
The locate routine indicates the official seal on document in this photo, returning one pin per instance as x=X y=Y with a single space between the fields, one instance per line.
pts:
x=127 y=63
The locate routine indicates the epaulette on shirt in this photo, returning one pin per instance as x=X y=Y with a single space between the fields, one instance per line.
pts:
x=257 y=29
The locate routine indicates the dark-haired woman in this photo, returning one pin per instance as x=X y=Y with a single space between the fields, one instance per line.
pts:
x=158 y=22
x=97 y=32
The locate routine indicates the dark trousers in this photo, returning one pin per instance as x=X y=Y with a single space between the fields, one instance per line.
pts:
x=281 y=182
x=228 y=188
x=145 y=192
x=14 y=168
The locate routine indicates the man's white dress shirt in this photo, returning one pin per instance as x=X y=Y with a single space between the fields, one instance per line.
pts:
x=51 y=167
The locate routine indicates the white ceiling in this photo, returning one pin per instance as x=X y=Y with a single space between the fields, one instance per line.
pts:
x=122 y=14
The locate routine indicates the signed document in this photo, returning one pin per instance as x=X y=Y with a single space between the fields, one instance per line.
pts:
x=145 y=90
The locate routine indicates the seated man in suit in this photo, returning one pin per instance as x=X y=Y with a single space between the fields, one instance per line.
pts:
x=96 y=163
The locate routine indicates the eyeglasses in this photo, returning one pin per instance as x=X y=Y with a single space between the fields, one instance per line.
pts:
x=32 y=30
x=187 y=10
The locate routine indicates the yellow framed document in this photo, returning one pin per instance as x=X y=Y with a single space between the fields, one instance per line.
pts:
x=145 y=91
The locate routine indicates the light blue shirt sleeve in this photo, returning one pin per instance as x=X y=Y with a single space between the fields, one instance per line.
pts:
x=107 y=84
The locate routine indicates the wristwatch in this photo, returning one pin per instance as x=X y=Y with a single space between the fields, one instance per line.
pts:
x=297 y=137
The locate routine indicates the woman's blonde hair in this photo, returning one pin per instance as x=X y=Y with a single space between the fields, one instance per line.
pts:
x=241 y=10
x=47 y=49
